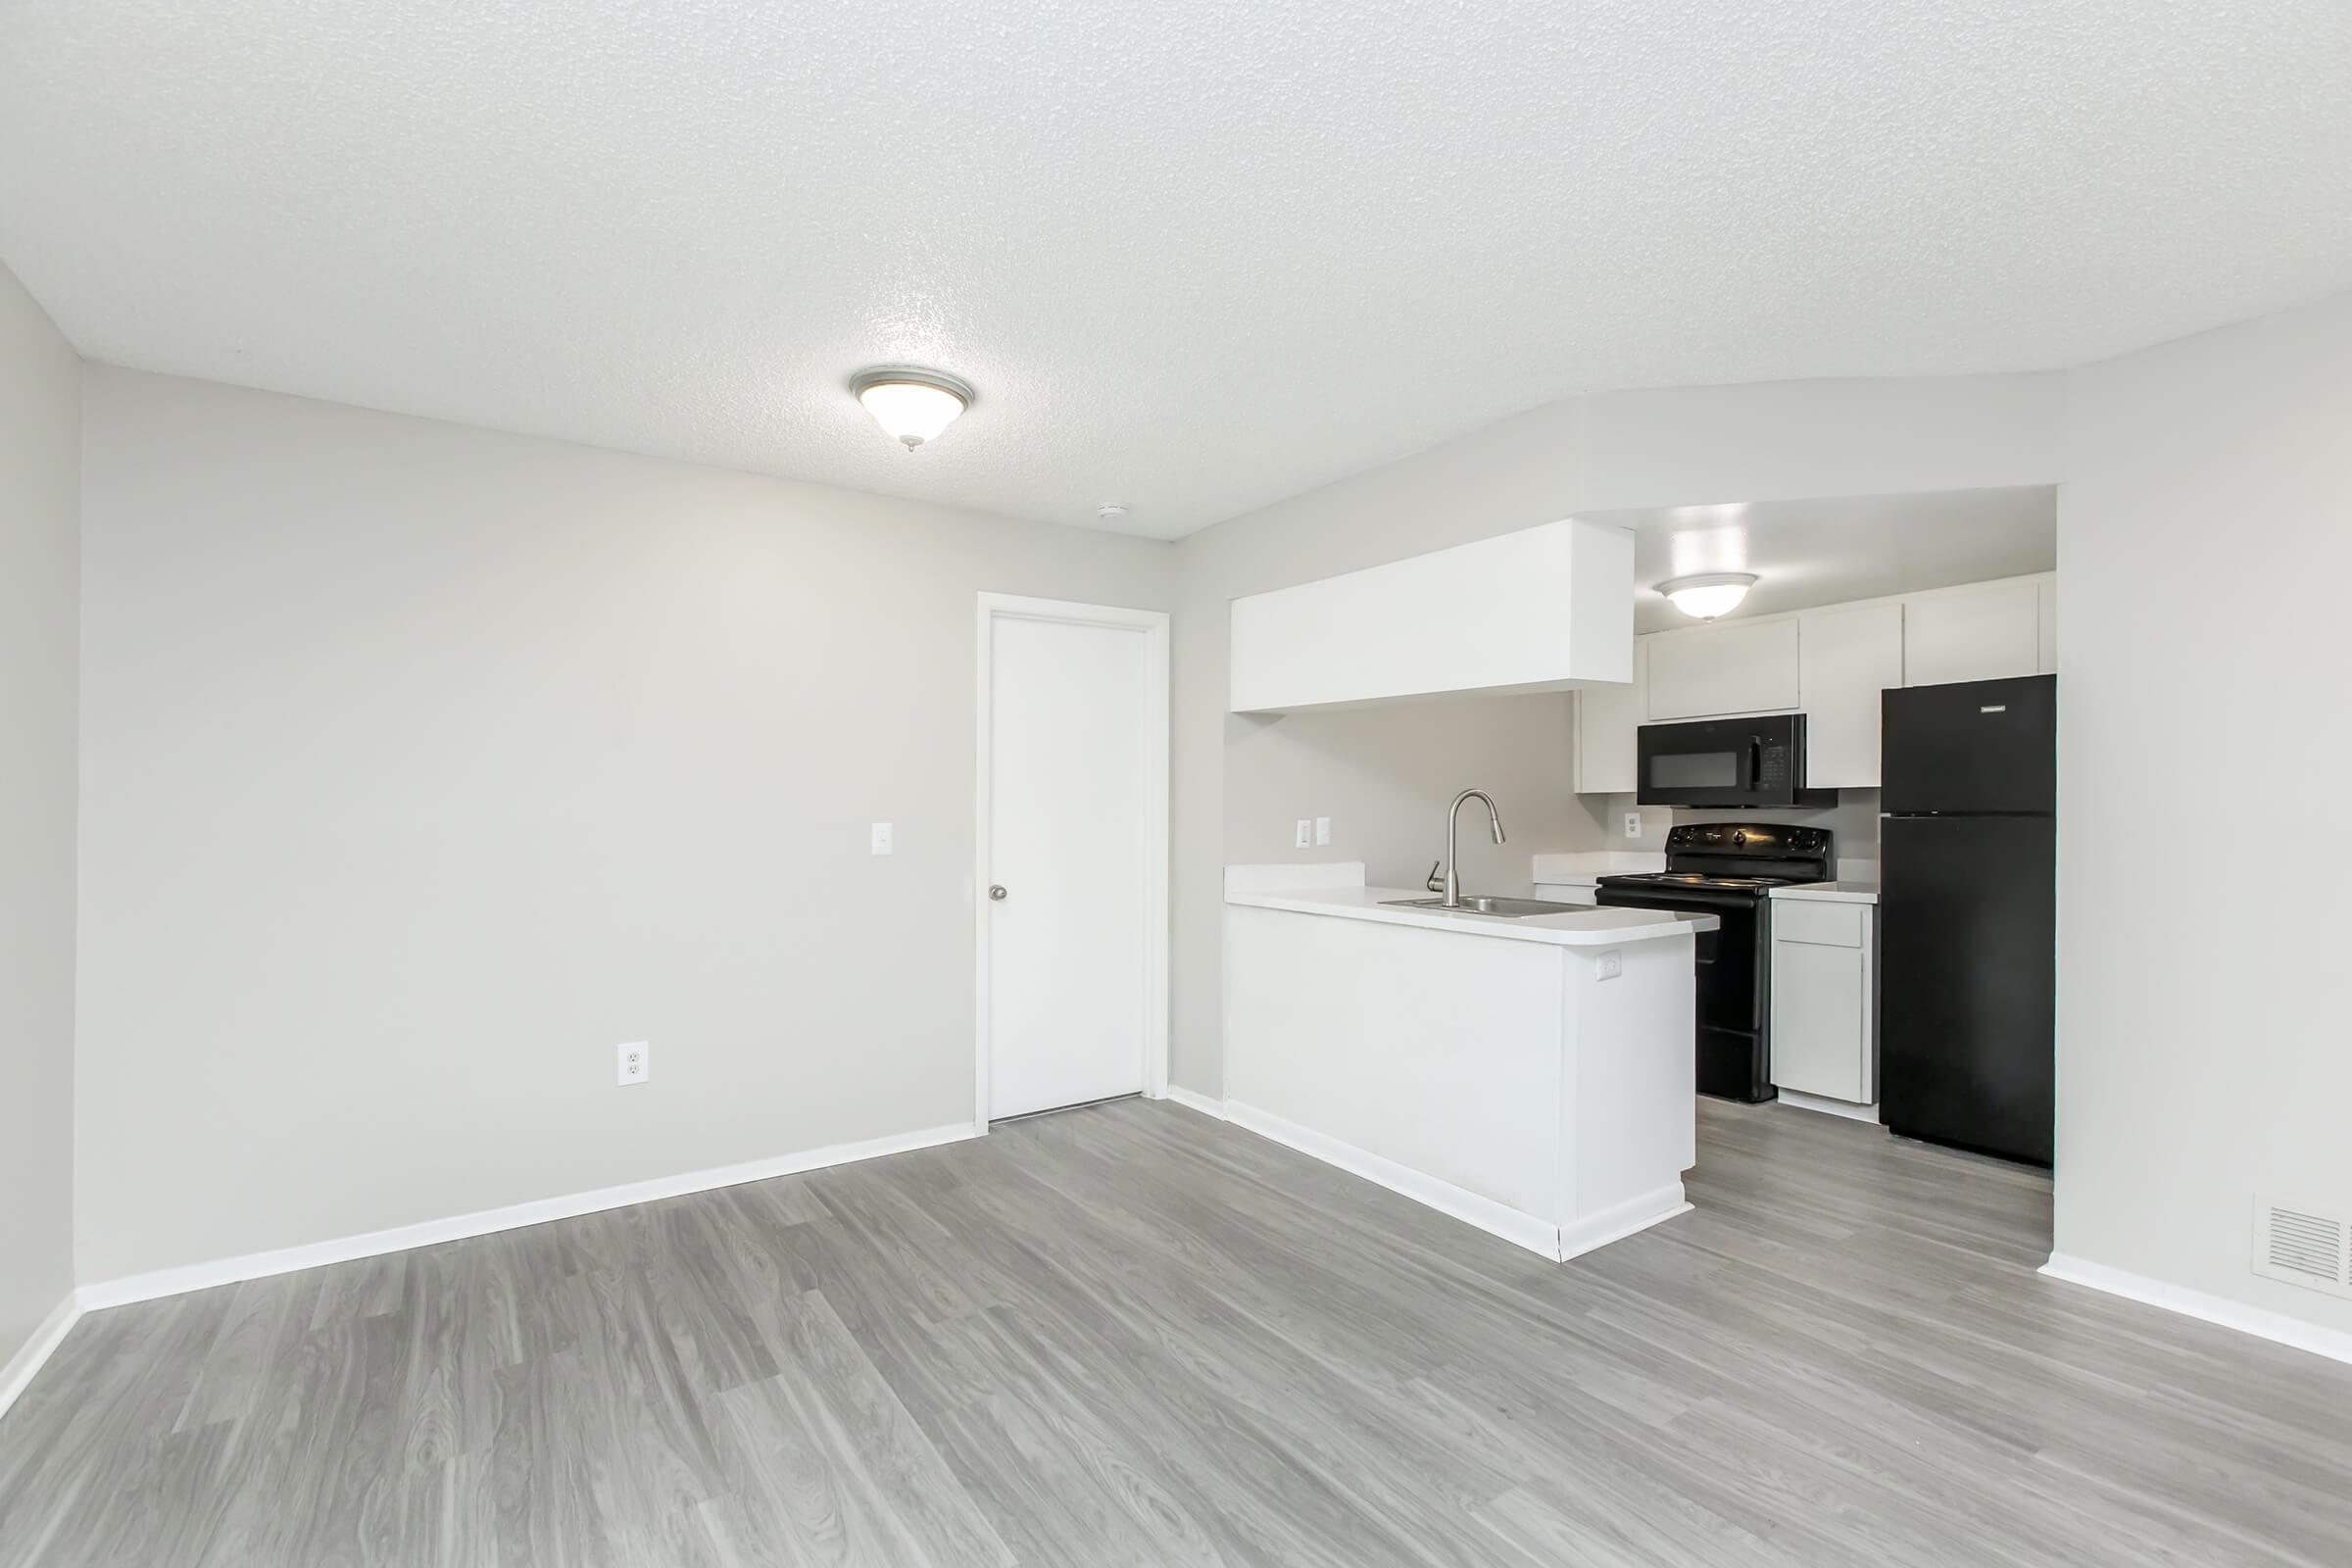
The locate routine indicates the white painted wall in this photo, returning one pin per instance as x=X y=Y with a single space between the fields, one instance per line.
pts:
x=1385 y=775
x=40 y=479
x=422 y=765
x=2203 y=1053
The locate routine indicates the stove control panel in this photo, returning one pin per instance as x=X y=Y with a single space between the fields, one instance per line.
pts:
x=1747 y=837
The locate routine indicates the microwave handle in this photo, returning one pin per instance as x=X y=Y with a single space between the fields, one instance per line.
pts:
x=1755 y=761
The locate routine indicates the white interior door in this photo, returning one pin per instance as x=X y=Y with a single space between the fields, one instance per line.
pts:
x=1073 y=857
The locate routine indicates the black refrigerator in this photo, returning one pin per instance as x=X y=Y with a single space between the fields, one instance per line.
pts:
x=1967 y=911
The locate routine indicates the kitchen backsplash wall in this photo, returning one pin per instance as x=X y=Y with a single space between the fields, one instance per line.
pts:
x=1385 y=775
x=1854 y=820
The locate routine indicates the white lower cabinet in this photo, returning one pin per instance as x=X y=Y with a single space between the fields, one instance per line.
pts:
x=1824 y=1012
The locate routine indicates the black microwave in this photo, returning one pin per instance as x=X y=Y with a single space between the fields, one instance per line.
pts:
x=1727 y=762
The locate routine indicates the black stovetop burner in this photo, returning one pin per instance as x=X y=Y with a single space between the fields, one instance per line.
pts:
x=1733 y=854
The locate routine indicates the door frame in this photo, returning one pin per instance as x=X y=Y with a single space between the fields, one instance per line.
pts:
x=1152 y=626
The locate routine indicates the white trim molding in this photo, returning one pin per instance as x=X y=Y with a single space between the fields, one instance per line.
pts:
x=1797 y=1099
x=34 y=1352
x=2262 y=1323
x=1153 y=624
x=1615 y=1224
x=1194 y=1099
x=428 y=1232
x=1522 y=1229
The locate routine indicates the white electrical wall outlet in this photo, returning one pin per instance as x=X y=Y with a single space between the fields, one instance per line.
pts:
x=881 y=837
x=636 y=1061
x=1609 y=966
x=1322 y=830
x=1632 y=824
x=1305 y=838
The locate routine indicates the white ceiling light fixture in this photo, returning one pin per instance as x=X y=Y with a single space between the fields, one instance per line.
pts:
x=913 y=406
x=1708 y=595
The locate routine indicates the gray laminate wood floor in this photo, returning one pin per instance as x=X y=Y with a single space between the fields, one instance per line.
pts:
x=1131 y=1334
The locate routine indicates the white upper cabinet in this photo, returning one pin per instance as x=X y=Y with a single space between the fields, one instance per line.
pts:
x=1847 y=658
x=1738 y=667
x=1544 y=609
x=1985 y=632
x=1606 y=717
x=1829 y=664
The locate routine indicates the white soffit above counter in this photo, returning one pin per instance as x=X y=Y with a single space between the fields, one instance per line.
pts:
x=1838 y=549
x=1195 y=255
x=1544 y=608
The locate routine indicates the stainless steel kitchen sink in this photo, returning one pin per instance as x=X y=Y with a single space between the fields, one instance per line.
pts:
x=1501 y=909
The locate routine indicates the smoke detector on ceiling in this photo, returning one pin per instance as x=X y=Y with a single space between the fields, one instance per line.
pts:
x=1111 y=511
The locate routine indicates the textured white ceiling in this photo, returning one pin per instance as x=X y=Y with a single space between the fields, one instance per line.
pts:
x=1828 y=552
x=1196 y=255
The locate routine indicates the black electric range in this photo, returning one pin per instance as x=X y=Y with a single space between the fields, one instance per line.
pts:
x=1729 y=870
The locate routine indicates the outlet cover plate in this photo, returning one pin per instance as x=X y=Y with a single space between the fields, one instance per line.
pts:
x=636 y=1062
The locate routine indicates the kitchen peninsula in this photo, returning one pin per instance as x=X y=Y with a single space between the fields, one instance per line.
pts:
x=1531 y=1076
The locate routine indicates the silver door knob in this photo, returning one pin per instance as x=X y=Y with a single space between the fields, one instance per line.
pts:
x=995 y=890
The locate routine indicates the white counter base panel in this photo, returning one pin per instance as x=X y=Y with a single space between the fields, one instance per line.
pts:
x=1512 y=1080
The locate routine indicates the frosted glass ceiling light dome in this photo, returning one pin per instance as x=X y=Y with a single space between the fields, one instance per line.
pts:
x=1703 y=598
x=913 y=406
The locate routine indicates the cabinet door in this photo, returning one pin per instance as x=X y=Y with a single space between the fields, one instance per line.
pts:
x=1820 y=1020
x=1606 y=717
x=1845 y=658
x=1744 y=667
x=1988 y=633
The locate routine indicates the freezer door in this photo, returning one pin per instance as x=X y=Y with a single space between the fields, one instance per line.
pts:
x=1976 y=745
x=1967 y=937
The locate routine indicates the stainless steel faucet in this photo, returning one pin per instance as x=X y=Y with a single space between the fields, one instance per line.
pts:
x=1452 y=885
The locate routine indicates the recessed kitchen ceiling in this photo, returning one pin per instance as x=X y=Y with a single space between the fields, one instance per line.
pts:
x=1827 y=551
x=1198 y=255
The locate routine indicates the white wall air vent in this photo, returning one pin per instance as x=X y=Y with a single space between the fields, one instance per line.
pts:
x=2302 y=1245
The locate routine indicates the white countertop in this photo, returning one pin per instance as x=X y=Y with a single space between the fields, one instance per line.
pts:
x=1580 y=928
x=1583 y=869
x=1848 y=892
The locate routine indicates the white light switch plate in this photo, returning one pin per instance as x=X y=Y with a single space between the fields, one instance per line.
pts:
x=881 y=837
x=1322 y=830
x=1305 y=838
x=1632 y=824
x=636 y=1061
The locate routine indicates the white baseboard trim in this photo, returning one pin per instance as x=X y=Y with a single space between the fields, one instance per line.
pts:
x=1799 y=1101
x=286 y=1260
x=1616 y=1223
x=1497 y=1219
x=35 y=1351
x=2277 y=1327
x=1194 y=1099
